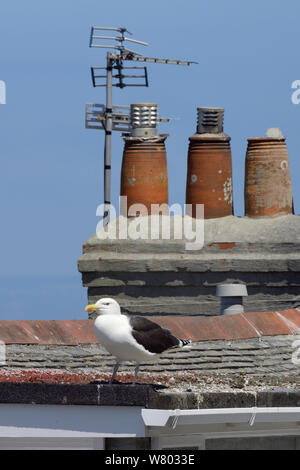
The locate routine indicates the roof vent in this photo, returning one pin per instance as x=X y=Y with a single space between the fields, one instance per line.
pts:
x=210 y=120
x=231 y=298
x=143 y=119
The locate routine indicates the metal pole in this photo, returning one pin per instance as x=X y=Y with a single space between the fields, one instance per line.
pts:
x=107 y=145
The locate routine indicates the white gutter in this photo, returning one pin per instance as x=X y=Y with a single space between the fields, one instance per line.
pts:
x=173 y=418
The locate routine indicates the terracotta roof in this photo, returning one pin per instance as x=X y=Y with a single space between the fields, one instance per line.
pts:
x=231 y=327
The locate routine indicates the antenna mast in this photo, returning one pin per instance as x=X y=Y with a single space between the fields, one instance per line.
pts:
x=109 y=117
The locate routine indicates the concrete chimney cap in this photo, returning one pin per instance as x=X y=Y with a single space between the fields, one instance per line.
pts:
x=231 y=290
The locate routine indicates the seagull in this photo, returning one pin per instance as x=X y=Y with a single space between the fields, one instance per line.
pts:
x=130 y=338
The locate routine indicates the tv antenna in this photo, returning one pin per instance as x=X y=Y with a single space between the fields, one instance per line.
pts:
x=116 y=118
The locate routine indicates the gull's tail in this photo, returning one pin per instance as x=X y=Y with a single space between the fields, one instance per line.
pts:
x=184 y=342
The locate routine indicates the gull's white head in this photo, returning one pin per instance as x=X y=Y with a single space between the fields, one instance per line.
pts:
x=104 y=306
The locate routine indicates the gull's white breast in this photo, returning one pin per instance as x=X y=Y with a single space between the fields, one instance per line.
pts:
x=114 y=333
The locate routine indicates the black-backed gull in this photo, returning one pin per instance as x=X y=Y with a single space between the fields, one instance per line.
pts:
x=130 y=338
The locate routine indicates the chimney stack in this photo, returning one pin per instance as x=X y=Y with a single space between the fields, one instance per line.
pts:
x=209 y=174
x=268 y=189
x=144 y=176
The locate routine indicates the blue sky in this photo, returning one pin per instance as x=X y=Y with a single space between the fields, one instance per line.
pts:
x=51 y=175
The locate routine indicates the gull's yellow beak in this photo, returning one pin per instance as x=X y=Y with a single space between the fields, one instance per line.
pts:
x=91 y=308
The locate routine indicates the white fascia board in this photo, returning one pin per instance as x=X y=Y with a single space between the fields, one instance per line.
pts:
x=173 y=418
x=27 y=420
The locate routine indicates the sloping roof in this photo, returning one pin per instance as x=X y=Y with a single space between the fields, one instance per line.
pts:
x=269 y=355
x=259 y=344
x=228 y=327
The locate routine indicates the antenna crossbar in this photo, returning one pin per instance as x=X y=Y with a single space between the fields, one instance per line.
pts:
x=120 y=39
x=139 y=58
x=99 y=80
x=96 y=115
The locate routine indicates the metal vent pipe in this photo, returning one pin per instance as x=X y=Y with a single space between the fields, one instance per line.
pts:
x=231 y=298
